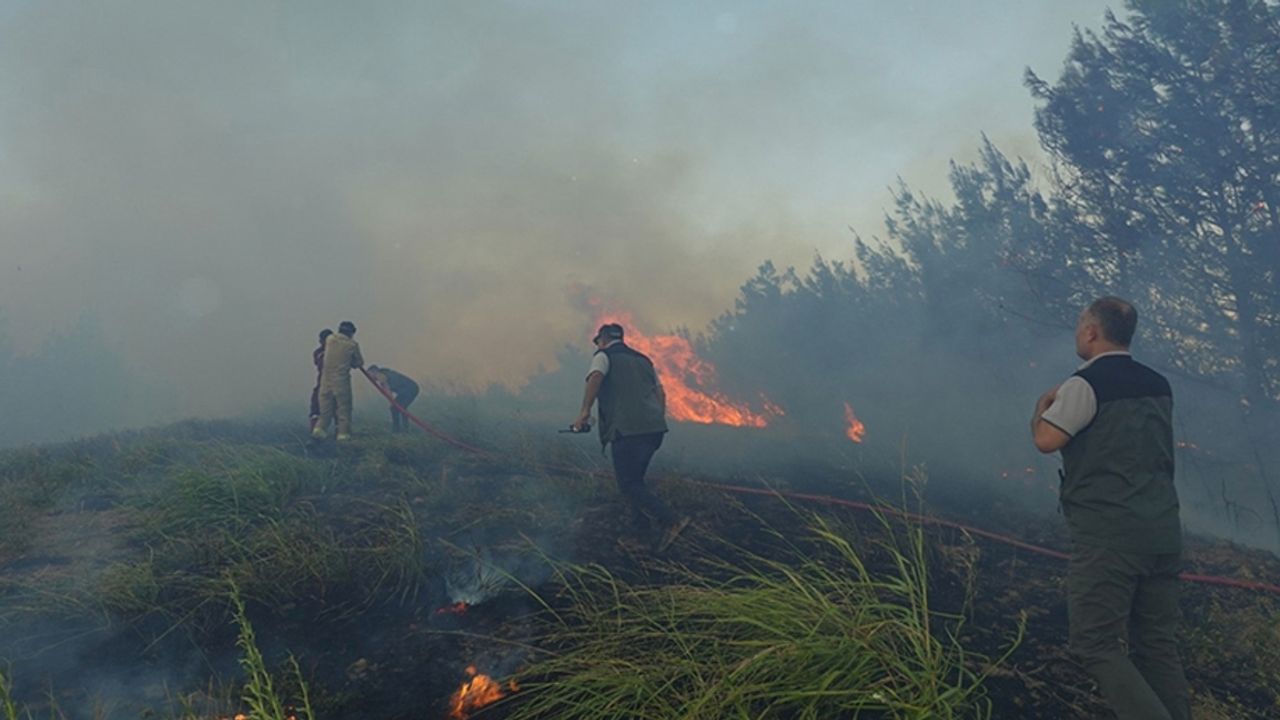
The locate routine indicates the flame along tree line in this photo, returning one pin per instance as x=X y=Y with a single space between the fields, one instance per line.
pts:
x=687 y=378
x=1163 y=186
x=678 y=365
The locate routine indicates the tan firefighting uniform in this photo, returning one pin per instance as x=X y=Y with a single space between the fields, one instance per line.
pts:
x=341 y=356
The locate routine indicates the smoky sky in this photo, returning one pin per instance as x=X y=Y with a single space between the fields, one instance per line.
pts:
x=214 y=182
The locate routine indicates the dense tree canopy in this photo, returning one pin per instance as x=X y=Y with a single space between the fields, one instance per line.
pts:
x=1163 y=186
x=1165 y=137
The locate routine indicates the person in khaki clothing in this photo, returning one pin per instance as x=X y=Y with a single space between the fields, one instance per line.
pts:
x=341 y=356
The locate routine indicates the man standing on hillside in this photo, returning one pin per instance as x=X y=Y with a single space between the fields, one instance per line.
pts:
x=633 y=420
x=317 y=359
x=401 y=387
x=1113 y=422
x=341 y=356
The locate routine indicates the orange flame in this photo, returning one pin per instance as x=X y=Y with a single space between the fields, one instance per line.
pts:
x=479 y=691
x=683 y=373
x=855 y=430
x=458 y=608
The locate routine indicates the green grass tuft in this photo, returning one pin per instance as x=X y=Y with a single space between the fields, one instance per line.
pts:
x=7 y=703
x=31 y=483
x=260 y=693
x=812 y=633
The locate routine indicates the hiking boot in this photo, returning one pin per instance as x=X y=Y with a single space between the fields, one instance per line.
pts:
x=317 y=433
x=673 y=532
x=344 y=437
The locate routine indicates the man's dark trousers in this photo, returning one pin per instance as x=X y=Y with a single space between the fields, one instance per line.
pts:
x=1110 y=593
x=400 y=421
x=631 y=456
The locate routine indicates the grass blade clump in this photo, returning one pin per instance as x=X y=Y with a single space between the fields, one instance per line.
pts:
x=264 y=519
x=808 y=632
x=7 y=704
x=259 y=693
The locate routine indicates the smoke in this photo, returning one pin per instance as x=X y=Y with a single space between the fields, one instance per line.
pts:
x=215 y=183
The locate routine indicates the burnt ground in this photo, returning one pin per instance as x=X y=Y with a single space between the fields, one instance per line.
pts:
x=402 y=658
x=993 y=584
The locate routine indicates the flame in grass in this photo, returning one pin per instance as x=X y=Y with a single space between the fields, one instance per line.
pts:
x=854 y=429
x=686 y=379
x=479 y=691
x=458 y=608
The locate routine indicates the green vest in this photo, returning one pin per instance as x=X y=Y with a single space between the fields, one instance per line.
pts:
x=1117 y=485
x=630 y=397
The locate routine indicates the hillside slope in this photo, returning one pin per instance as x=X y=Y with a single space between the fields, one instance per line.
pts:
x=391 y=566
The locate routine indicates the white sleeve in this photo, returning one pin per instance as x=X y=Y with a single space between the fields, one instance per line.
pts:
x=599 y=363
x=1074 y=407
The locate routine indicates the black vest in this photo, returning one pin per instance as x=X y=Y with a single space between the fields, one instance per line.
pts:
x=631 y=401
x=1117 y=488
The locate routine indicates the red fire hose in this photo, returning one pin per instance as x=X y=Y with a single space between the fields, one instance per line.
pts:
x=414 y=419
x=829 y=500
x=1005 y=539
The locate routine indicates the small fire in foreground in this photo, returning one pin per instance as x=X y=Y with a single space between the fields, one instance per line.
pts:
x=479 y=691
x=458 y=608
x=687 y=379
x=854 y=429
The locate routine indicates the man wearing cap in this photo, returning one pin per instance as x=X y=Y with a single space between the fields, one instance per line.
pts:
x=632 y=419
x=1113 y=422
x=341 y=356
x=401 y=387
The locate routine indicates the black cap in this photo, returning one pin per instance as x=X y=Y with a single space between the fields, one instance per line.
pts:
x=325 y=333
x=608 y=331
x=346 y=327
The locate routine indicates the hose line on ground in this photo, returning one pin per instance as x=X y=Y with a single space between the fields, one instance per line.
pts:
x=841 y=502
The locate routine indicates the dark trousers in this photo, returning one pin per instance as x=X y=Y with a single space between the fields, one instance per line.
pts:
x=631 y=456
x=315 y=405
x=1123 y=613
x=400 y=421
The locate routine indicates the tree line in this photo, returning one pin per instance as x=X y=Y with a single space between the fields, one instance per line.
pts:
x=1162 y=185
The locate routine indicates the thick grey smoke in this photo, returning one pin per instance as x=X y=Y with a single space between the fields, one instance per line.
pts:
x=209 y=184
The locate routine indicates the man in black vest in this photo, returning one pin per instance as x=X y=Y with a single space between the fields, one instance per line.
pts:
x=402 y=388
x=633 y=420
x=1113 y=422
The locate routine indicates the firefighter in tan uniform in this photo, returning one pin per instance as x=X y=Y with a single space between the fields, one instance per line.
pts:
x=341 y=356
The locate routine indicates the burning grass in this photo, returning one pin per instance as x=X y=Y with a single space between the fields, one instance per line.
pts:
x=328 y=541
x=410 y=562
x=810 y=632
x=477 y=693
